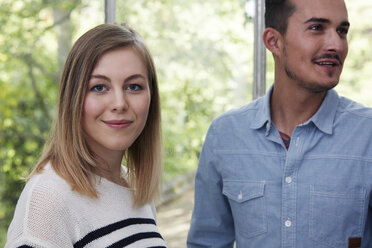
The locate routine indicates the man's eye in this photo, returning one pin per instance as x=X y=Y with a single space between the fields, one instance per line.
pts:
x=316 y=27
x=342 y=31
x=98 y=88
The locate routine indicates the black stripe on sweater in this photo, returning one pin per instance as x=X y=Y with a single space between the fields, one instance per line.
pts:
x=96 y=234
x=24 y=246
x=134 y=238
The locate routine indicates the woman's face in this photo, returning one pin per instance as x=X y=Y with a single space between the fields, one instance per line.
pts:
x=117 y=102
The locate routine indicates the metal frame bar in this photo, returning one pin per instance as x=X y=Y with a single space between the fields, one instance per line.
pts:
x=110 y=11
x=259 y=70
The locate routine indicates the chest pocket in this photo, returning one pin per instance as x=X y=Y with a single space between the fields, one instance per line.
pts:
x=336 y=215
x=247 y=204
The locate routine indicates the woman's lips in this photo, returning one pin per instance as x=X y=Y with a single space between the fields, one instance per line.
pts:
x=118 y=123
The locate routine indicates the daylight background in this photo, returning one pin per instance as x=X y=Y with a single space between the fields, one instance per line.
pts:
x=203 y=52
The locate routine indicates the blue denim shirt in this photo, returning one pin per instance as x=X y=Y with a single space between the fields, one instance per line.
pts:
x=250 y=190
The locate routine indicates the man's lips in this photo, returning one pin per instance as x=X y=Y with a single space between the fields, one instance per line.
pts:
x=118 y=123
x=330 y=60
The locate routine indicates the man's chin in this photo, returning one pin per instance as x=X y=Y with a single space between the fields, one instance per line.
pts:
x=317 y=87
x=320 y=88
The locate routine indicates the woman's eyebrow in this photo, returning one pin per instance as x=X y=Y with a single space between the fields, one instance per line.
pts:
x=134 y=76
x=99 y=76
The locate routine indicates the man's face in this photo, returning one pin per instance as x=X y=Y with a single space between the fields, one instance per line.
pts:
x=315 y=44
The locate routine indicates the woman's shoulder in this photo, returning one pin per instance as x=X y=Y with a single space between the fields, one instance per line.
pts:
x=45 y=189
x=42 y=210
x=48 y=179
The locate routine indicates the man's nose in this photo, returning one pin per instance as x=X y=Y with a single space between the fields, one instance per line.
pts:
x=335 y=42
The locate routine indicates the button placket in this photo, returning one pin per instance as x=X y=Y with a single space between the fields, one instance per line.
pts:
x=297 y=141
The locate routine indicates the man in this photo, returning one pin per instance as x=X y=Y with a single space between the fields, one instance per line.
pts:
x=294 y=168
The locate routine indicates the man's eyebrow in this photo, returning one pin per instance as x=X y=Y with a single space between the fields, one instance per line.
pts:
x=315 y=19
x=324 y=20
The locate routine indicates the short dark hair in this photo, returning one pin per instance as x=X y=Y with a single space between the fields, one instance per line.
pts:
x=277 y=14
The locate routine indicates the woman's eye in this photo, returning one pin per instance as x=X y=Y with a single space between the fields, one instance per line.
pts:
x=98 y=88
x=134 y=87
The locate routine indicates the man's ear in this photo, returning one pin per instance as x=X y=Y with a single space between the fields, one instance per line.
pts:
x=273 y=41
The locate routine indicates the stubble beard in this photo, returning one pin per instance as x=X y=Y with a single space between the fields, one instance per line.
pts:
x=311 y=86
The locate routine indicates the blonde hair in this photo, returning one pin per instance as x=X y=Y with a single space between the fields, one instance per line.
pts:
x=67 y=149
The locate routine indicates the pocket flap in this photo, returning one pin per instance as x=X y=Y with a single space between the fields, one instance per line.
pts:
x=241 y=191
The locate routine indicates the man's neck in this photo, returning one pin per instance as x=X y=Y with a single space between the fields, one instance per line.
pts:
x=291 y=106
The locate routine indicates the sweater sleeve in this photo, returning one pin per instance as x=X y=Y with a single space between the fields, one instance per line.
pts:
x=41 y=218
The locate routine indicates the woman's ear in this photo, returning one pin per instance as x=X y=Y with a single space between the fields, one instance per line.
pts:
x=273 y=41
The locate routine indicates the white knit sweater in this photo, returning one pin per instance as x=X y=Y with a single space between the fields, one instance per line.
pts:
x=49 y=214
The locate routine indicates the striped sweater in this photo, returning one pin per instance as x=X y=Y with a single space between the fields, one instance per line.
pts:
x=49 y=214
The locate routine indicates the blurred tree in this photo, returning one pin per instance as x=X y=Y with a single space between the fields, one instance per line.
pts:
x=355 y=78
x=203 y=53
x=29 y=80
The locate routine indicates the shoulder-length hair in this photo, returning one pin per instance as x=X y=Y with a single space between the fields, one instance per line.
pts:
x=67 y=149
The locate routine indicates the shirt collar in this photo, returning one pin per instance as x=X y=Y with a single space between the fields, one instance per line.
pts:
x=263 y=114
x=323 y=118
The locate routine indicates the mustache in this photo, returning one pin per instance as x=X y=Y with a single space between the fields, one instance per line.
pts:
x=328 y=56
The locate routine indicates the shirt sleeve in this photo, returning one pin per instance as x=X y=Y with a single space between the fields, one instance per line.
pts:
x=211 y=222
x=41 y=220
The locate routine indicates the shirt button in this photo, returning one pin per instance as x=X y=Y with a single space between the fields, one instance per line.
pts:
x=297 y=141
x=288 y=223
x=288 y=180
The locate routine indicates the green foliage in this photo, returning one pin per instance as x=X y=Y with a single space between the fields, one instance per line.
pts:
x=203 y=53
x=28 y=83
x=355 y=79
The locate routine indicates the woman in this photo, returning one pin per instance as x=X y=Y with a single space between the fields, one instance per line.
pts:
x=79 y=194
